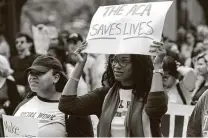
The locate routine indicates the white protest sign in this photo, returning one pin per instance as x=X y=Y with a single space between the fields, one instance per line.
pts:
x=42 y=37
x=126 y=29
x=20 y=126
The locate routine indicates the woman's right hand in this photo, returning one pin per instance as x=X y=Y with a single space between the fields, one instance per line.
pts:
x=81 y=57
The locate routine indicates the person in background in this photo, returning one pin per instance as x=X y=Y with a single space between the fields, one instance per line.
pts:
x=63 y=36
x=186 y=54
x=46 y=80
x=179 y=91
x=9 y=96
x=205 y=43
x=24 y=59
x=181 y=35
x=74 y=40
x=202 y=32
x=171 y=46
x=198 y=49
x=58 y=52
x=4 y=47
x=191 y=39
x=132 y=103
x=198 y=122
x=201 y=67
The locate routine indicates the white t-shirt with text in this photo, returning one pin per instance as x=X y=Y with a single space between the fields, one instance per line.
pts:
x=51 y=119
x=118 y=122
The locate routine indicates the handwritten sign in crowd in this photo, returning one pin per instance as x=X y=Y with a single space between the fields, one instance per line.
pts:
x=126 y=29
x=20 y=126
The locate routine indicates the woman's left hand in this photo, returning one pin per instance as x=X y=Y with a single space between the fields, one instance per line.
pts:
x=159 y=49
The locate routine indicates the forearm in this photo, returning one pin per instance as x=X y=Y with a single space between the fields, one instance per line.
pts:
x=157 y=83
x=71 y=86
x=87 y=104
x=157 y=100
x=72 y=105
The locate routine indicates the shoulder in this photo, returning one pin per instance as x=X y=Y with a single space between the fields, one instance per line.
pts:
x=28 y=98
x=204 y=97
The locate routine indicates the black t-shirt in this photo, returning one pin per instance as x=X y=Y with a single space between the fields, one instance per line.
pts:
x=19 y=66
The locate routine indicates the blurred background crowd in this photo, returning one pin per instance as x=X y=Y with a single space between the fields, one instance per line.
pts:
x=185 y=35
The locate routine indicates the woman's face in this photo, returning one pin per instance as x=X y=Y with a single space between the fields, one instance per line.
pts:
x=40 y=82
x=72 y=46
x=122 y=67
x=201 y=67
x=185 y=51
x=190 y=38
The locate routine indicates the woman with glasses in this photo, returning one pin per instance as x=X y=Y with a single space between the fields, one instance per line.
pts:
x=131 y=101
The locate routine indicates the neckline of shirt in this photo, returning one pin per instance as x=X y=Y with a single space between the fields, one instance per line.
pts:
x=47 y=100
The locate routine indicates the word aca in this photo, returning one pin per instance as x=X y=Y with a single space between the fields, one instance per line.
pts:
x=141 y=10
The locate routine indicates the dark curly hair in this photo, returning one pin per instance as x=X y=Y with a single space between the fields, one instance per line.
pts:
x=142 y=75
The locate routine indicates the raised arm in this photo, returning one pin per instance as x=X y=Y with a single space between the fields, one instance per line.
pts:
x=90 y=103
x=72 y=84
x=157 y=100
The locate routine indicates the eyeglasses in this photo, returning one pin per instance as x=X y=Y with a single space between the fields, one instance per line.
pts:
x=121 y=62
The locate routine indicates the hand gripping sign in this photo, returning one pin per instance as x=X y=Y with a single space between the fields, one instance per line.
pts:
x=126 y=29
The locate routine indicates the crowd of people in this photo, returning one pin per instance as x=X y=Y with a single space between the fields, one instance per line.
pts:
x=64 y=88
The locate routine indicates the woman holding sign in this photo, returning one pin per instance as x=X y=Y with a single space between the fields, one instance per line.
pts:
x=131 y=101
